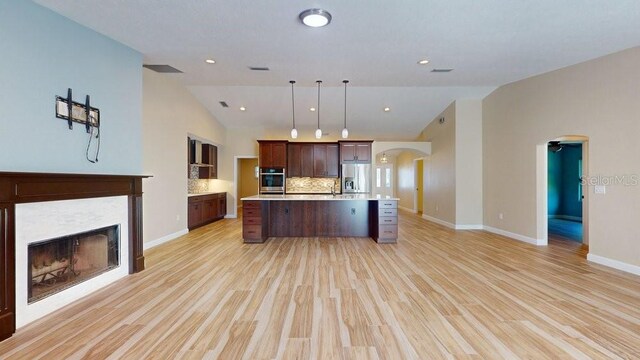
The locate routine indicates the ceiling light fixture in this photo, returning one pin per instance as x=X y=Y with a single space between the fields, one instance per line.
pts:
x=423 y=62
x=210 y=61
x=318 y=131
x=312 y=109
x=387 y=109
x=315 y=17
x=384 y=159
x=345 y=131
x=242 y=108
x=294 y=132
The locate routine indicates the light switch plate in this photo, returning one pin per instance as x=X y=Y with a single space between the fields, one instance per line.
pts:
x=599 y=189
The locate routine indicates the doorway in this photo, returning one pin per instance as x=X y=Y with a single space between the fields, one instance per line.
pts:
x=564 y=190
x=562 y=195
x=419 y=182
x=246 y=179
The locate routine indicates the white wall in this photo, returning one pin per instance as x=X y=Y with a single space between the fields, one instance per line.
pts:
x=468 y=162
x=170 y=113
x=43 y=54
x=598 y=99
x=440 y=168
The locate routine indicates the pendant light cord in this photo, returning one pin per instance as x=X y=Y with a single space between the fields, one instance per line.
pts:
x=293 y=106
x=345 y=102
x=319 y=82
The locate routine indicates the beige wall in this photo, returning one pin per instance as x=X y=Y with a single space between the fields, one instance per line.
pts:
x=405 y=178
x=468 y=162
x=599 y=99
x=169 y=113
x=247 y=182
x=439 y=168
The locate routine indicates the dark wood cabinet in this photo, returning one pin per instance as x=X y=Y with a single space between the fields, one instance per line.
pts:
x=326 y=160
x=313 y=160
x=318 y=218
x=205 y=209
x=7 y=275
x=300 y=160
x=355 y=152
x=209 y=170
x=254 y=221
x=273 y=153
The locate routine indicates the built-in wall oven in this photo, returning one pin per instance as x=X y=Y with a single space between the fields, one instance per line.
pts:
x=272 y=181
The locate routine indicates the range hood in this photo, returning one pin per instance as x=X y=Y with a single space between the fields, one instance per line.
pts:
x=196 y=152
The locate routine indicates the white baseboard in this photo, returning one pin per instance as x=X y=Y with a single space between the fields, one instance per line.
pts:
x=538 y=242
x=469 y=227
x=231 y=216
x=438 y=221
x=149 y=244
x=407 y=209
x=619 y=265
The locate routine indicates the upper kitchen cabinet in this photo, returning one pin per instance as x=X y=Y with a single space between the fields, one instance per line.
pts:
x=273 y=153
x=209 y=168
x=355 y=152
x=300 y=160
x=326 y=161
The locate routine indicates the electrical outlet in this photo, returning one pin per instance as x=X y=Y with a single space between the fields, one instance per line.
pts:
x=501 y=216
x=178 y=217
x=437 y=208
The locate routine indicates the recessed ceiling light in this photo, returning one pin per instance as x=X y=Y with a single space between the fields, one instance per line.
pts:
x=387 y=109
x=315 y=17
x=242 y=108
x=210 y=61
x=423 y=62
x=312 y=109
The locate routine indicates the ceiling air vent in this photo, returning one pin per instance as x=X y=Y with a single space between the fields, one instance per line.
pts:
x=224 y=104
x=259 y=68
x=441 y=70
x=165 y=69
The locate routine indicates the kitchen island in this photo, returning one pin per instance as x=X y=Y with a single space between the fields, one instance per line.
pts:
x=362 y=215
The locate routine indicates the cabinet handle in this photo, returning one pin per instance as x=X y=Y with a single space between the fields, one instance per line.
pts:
x=387 y=212
x=388 y=232
x=387 y=221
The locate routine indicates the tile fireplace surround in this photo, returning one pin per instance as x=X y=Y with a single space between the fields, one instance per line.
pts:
x=35 y=206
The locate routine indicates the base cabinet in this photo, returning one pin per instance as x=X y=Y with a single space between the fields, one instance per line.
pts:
x=255 y=220
x=205 y=209
x=384 y=221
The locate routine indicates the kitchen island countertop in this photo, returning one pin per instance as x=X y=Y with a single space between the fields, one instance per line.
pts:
x=312 y=197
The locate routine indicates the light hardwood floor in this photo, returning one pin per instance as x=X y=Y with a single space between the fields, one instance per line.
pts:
x=436 y=294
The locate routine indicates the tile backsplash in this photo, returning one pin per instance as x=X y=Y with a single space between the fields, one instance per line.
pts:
x=312 y=185
x=196 y=186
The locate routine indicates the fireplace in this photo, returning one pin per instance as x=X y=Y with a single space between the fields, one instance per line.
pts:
x=36 y=208
x=60 y=263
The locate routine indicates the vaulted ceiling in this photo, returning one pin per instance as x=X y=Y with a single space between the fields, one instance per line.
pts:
x=376 y=44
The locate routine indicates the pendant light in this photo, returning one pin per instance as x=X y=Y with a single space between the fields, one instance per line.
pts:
x=383 y=159
x=345 y=131
x=318 y=131
x=294 y=131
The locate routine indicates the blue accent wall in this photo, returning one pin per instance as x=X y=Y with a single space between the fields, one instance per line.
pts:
x=43 y=54
x=563 y=182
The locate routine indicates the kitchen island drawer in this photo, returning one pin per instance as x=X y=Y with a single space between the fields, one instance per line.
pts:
x=251 y=220
x=388 y=220
x=387 y=233
x=249 y=212
x=252 y=233
x=388 y=212
x=387 y=204
x=250 y=204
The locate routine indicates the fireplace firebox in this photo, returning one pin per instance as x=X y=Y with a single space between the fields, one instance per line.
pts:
x=57 y=264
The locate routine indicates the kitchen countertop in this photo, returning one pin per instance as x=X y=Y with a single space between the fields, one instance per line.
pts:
x=317 y=197
x=205 y=193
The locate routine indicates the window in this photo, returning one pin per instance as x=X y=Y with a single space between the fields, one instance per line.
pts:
x=387 y=178
x=377 y=177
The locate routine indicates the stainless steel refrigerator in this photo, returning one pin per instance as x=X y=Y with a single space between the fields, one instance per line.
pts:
x=356 y=178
